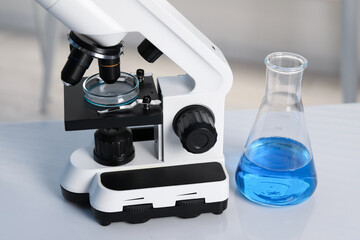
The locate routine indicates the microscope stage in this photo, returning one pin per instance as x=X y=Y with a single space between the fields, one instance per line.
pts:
x=81 y=115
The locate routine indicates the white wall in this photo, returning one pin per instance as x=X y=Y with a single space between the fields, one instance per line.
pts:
x=244 y=29
x=250 y=29
x=16 y=14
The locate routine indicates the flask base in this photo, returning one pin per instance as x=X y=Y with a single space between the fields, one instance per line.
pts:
x=269 y=178
x=276 y=193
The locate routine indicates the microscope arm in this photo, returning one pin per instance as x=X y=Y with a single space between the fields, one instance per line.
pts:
x=108 y=21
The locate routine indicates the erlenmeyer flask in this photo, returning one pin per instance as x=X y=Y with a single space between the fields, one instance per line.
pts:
x=277 y=166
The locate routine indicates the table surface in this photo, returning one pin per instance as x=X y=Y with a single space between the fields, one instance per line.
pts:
x=33 y=155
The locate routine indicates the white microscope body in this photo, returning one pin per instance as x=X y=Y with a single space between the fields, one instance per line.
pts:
x=206 y=84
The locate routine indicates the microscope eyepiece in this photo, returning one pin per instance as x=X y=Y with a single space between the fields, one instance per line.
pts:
x=78 y=62
x=109 y=70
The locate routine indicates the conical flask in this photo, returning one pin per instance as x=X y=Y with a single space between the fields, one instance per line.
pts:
x=277 y=167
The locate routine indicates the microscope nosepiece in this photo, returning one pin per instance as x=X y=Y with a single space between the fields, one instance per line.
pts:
x=78 y=62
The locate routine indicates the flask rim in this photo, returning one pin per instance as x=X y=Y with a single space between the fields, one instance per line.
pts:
x=299 y=62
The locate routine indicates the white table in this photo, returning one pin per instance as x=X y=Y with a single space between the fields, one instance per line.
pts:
x=33 y=155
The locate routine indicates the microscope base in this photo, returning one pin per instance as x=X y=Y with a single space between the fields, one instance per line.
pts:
x=143 y=212
x=137 y=195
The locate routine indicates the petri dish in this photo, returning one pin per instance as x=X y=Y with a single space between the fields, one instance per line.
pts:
x=124 y=91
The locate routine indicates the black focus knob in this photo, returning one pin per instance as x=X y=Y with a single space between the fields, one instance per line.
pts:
x=148 y=51
x=113 y=146
x=194 y=125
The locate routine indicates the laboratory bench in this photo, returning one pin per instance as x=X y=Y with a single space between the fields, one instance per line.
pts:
x=33 y=156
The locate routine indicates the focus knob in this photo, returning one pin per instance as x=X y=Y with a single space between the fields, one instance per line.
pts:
x=194 y=125
x=149 y=51
x=113 y=146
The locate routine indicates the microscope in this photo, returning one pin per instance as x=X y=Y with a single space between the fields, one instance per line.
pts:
x=158 y=148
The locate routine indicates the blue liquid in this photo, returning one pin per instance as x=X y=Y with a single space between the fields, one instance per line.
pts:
x=276 y=171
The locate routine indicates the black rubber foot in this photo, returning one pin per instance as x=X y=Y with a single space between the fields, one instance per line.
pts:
x=105 y=223
x=218 y=212
x=78 y=198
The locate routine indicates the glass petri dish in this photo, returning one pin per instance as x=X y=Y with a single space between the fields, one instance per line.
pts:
x=124 y=91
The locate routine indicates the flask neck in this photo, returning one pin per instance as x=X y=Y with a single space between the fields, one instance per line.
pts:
x=284 y=72
x=285 y=84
